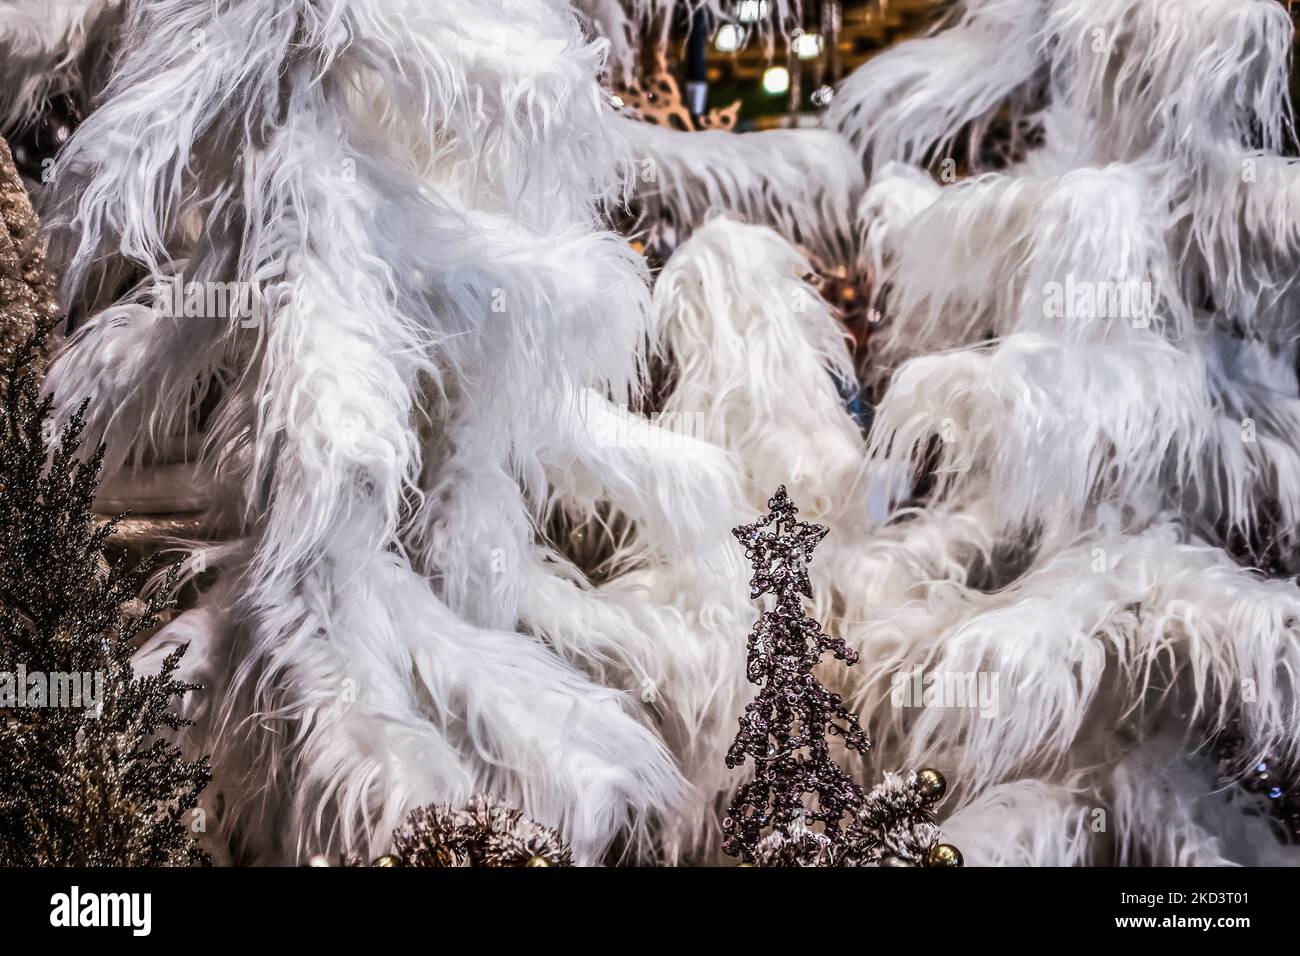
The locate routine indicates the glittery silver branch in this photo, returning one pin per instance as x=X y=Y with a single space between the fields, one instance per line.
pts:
x=27 y=301
x=92 y=785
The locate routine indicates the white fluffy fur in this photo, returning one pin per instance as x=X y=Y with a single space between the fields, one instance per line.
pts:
x=758 y=354
x=424 y=279
x=455 y=353
x=1017 y=247
x=1113 y=457
x=802 y=182
x=912 y=104
x=49 y=47
x=1026 y=823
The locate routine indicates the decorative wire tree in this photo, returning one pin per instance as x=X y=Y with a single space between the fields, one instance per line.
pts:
x=785 y=731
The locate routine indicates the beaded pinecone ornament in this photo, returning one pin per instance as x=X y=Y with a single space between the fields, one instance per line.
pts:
x=484 y=832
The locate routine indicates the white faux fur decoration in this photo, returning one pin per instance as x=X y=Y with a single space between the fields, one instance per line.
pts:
x=802 y=182
x=362 y=655
x=1085 y=436
x=1091 y=343
x=914 y=103
x=52 y=47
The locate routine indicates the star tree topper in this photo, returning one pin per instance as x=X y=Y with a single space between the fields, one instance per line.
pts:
x=780 y=556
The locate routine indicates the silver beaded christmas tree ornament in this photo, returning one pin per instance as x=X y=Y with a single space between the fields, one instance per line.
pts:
x=801 y=808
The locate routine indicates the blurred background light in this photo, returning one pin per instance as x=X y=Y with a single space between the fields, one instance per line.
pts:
x=776 y=80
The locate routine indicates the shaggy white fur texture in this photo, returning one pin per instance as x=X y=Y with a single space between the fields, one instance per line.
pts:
x=53 y=47
x=802 y=182
x=434 y=309
x=1093 y=344
x=1086 y=363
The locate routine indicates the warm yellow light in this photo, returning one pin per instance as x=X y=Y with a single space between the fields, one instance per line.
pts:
x=728 y=38
x=776 y=80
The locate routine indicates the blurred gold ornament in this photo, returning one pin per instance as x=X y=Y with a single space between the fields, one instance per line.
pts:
x=943 y=854
x=387 y=860
x=538 y=861
x=931 y=785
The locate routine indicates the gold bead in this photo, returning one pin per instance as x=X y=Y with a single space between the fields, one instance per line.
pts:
x=943 y=854
x=387 y=860
x=746 y=864
x=931 y=785
x=538 y=861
